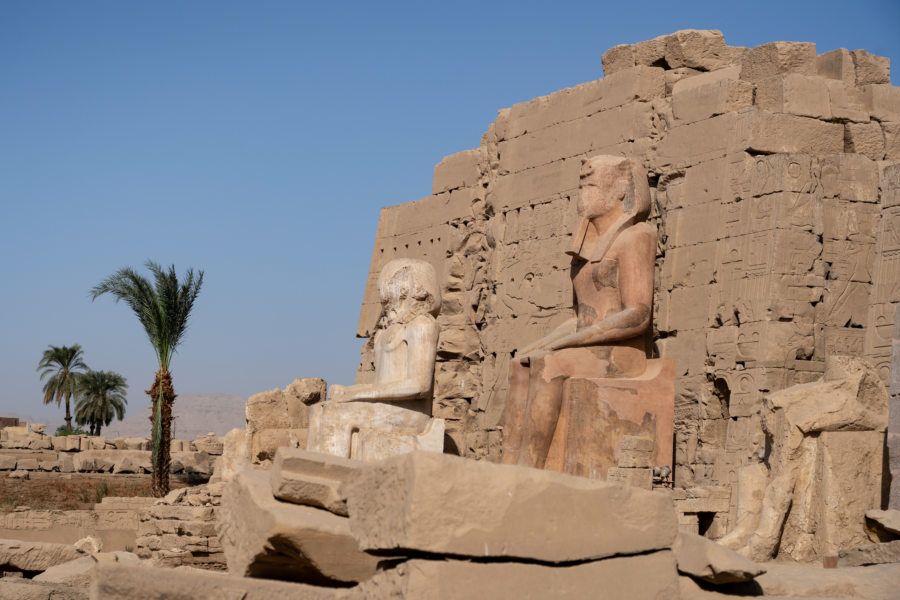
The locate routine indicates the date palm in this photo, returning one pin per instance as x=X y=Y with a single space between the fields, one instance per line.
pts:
x=163 y=308
x=101 y=396
x=61 y=366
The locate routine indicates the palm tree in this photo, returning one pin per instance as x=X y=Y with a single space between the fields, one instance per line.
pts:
x=162 y=308
x=101 y=396
x=62 y=365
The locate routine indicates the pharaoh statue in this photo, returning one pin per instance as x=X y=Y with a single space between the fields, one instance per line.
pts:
x=603 y=348
x=391 y=415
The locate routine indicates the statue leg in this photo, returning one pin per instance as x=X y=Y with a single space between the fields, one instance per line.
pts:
x=542 y=414
x=514 y=414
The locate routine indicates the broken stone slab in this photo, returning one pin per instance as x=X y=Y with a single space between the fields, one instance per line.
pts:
x=115 y=581
x=889 y=520
x=263 y=537
x=16 y=555
x=646 y=576
x=874 y=554
x=703 y=558
x=877 y=582
x=312 y=478
x=28 y=589
x=450 y=505
x=75 y=572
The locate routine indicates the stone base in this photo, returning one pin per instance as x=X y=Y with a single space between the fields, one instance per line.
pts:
x=597 y=413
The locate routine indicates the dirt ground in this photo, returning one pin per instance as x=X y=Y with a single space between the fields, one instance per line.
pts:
x=71 y=491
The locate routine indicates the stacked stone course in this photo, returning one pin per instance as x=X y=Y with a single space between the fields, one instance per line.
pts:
x=180 y=529
x=776 y=193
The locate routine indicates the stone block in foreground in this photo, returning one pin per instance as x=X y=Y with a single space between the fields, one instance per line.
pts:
x=645 y=576
x=113 y=581
x=450 y=505
x=311 y=478
x=16 y=555
x=262 y=537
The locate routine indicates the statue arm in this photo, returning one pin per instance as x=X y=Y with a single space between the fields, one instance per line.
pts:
x=421 y=339
x=636 y=263
x=567 y=328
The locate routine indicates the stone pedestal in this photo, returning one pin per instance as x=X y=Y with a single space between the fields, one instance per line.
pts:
x=597 y=413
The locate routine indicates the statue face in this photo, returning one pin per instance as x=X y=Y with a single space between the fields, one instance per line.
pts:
x=601 y=192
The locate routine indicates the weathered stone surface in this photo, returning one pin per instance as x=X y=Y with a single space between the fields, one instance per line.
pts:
x=703 y=558
x=208 y=443
x=870 y=583
x=864 y=138
x=7 y=462
x=312 y=479
x=74 y=572
x=28 y=589
x=263 y=537
x=871 y=68
x=775 y=58
x=889 y=520
x=115 y=581
x=424 y=502
x=837 y=64
x=873 y=554
x=647 y=576
x=697 y=102
x=16 y=555
x=802 y=95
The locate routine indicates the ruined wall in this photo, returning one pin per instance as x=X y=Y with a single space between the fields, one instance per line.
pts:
x=778 y=214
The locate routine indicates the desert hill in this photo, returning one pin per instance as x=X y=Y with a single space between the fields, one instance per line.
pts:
x=195 y=414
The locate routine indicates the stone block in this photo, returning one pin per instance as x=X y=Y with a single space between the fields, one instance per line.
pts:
x=802 y=95
x=640 y=478
x=871 y=68
x=617 y=59
x=133 y=461
x=462 y=169
x=450 y=505
x=7 y=462
x=850 y=177
x=749 y=129
x=704 y=559
x=208 y=443
x=704 y=50
x=113 y=581
x=776 y=58
x=873 y=554
x=864 y=138
x=27 y=464
x=847 y=102
x=837 y=64
x=312 y=479
x=882 y=100
x=262 y=537
x=17 y=555
x=95 y=461
x=848 y=470
x=698 y=102
x=647 y=576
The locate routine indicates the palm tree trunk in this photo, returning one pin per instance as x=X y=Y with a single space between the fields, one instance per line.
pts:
x=68 y=414
x=162 y=391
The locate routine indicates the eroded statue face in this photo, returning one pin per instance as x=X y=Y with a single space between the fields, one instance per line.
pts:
x=601 y=192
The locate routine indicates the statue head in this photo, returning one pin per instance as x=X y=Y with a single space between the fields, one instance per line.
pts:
x=613 y=184
x=408 y=288
x=611 y=187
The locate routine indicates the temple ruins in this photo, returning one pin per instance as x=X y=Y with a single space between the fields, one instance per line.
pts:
x=641 y=342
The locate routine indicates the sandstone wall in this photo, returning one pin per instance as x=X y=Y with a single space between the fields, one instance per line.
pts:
x=777 y=197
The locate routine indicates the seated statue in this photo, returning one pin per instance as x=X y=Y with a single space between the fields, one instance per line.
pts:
x=613 y=254
x=399 y=400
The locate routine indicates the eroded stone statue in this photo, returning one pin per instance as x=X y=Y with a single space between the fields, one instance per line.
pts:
x=613 y=254
x=393 y=414
x=824 y=467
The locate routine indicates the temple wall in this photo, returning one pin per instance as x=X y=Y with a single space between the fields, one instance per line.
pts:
x=778 y=210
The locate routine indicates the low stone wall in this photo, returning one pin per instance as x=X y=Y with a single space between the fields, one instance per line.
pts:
x=114 y=521
x=180 y=529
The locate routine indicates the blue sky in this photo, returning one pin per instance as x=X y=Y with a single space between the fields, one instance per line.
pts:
x=258 y=141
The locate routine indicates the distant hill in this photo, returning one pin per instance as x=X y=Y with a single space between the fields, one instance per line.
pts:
x=195 y=414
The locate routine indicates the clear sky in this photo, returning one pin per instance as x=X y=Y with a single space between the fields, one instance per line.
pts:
x=258 y=141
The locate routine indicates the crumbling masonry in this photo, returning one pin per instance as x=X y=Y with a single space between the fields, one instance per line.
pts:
x=775 y=177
